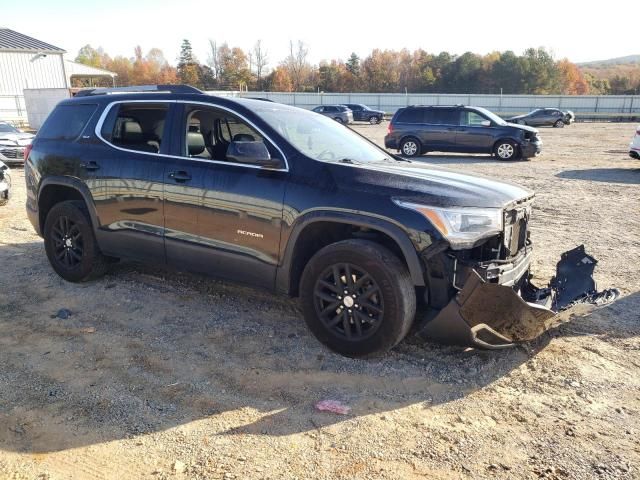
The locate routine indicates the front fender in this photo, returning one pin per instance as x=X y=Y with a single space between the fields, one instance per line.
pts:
x=385 y=226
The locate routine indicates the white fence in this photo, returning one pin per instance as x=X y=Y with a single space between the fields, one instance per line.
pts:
x=13 y=109
x=585 y=105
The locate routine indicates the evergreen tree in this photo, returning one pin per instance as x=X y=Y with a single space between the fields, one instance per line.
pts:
x=353 y=64
x=188 y=66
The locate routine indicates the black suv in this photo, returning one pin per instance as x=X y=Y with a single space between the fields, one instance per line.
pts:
x=278 y=197
x=362 y=113
x=417 y=130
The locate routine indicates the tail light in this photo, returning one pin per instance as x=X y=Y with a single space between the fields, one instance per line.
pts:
x=27 y=151
x=390 y=128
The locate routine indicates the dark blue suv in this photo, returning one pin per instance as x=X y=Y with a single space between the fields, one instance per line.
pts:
x=416 y=130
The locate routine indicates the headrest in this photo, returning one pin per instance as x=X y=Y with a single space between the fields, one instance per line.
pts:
x=243 y=137
x=131 y=131
x=195 y=143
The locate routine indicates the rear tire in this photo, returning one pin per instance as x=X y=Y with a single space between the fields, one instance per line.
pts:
x=558 y=124
x=374 y=120
x=379 y=305
x=506 y=150
x=70 y=243
x=410 y=147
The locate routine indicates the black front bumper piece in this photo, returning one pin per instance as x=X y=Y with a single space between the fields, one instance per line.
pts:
x=490 y=315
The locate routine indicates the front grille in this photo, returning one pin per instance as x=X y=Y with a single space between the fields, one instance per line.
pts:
x=516 y=222
x=12 y=153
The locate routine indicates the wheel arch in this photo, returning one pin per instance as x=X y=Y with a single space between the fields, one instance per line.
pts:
x=305 y=240
x=54 y=190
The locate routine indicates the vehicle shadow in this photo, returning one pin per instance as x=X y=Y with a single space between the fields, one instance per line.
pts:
x=145 y=350
x=608 y=175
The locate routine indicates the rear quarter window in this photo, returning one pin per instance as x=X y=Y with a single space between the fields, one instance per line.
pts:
x=412 y=115
x=66 y=122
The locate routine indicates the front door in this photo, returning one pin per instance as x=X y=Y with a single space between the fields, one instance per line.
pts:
x=475 y=133
x=221 y=217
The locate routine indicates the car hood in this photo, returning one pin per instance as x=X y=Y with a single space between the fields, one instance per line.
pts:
x=17 y=138
x=439 y=187
x=526 y=128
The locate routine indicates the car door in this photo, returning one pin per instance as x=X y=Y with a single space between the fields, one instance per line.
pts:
x=537 y=118
x=222 y=218
x=125 y=177
x=475 y=133
x=439 y=132
x=358 y=112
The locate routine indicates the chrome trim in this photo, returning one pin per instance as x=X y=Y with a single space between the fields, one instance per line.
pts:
x=108 y=108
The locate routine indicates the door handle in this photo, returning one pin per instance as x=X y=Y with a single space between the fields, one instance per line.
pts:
x=91 y=166
x=451 y=129
x=180 y=176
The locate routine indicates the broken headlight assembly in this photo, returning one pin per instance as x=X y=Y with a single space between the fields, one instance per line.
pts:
x=463 y=227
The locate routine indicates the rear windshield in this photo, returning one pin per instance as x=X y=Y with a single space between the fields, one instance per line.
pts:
x=66 y=122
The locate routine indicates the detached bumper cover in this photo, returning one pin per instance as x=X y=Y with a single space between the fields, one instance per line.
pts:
x=489 y=315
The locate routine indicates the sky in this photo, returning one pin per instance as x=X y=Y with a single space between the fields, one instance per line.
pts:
x=330 y=29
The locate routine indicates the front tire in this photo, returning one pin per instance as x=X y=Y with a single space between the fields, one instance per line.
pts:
x=558 y=124
x=506 y=150
x=374 y=120
x=70 y=243
x=339 y=120
x=358 y=298
x=410 y=147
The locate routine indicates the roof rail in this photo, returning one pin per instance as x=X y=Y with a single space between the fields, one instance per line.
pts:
x=139 y=89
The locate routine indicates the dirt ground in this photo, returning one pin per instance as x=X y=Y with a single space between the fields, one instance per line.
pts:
x=158 y=374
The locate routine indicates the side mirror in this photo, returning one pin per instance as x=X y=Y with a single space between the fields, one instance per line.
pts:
x=252 y=153
x=485 y=123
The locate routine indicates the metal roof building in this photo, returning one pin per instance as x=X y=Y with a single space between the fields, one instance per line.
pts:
x=27 y=64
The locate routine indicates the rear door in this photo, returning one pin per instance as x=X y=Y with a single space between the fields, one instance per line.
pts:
x=125 y=174
x=440 y=125
x=475 y=133
x=222 y=218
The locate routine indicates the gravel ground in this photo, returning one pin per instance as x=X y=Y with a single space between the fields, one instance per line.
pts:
x=158 y=374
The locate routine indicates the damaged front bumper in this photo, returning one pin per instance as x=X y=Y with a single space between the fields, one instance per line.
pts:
x=493 y=315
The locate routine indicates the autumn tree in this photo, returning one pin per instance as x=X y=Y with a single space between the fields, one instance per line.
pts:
x=297 y=65
x=260 y=57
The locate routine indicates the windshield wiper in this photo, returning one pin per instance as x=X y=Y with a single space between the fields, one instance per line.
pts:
x=345 y=160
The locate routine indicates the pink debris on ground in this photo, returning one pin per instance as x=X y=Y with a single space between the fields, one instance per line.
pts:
x=334 y=406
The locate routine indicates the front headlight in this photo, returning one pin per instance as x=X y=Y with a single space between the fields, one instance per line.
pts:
x=461 y=226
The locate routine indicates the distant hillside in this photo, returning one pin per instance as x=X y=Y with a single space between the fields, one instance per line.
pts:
x=629 y=59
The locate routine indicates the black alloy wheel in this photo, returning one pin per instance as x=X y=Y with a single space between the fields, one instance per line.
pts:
x=348 y=302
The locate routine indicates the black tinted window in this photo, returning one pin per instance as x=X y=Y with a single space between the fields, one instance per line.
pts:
x=136 y=126
x=329 y=109
x=66 y=122
x=411 y=115
x=443 y=116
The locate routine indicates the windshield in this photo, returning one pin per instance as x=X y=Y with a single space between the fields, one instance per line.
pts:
x=319 y=137
x=491 y=116
x=6 y=128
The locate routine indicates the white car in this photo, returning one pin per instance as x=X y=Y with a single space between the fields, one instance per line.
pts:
x=5 y=183
x=634 y=146
x=13 y=143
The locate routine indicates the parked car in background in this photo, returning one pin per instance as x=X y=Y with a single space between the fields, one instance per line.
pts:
x=362 y=113
x=634 y=146
x=339 y=113
x=13 y=143
x=416 y=130
x=541 y=117
x=5 y=184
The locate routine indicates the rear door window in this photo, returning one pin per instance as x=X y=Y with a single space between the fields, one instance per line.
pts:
x=66 y=122
x=446 y=116
x=136 y=126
